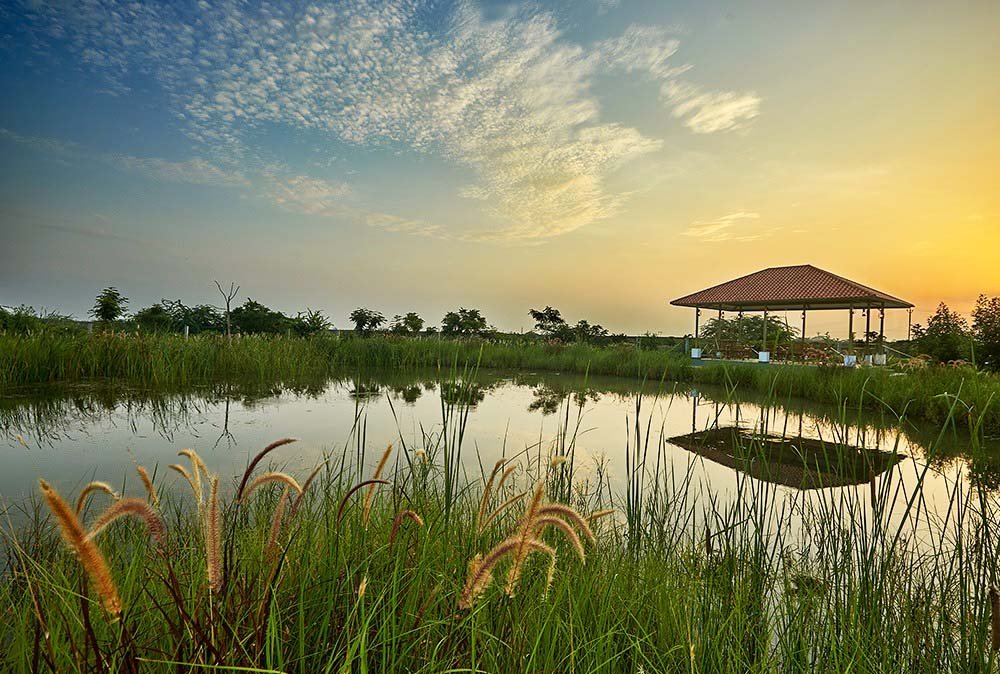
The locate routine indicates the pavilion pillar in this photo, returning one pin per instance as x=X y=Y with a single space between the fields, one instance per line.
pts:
x=764 y=345
x=850 y=327
x=803 y=334
x=881 y=329
x=909 y=325
x=868 y=327
x=697 y=317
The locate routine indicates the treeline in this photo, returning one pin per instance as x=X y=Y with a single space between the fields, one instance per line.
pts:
x=949 y=338
x=110 y=312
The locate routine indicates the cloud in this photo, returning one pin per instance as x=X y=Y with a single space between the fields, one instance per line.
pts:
x=48 y=145
x=709 y=112
x=722 y=229
x=316 y=197
x=604 y=6
x=510 y=100
x=195 y=171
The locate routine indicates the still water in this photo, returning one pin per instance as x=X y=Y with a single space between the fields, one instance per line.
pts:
x=71 y=435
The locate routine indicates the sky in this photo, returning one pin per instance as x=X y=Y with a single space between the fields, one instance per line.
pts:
x=599 y=156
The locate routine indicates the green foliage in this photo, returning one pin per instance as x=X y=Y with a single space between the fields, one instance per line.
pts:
x=551 y=325
x=947 y=336
x=154 y=319
x=748 y=330
x=109 y=306
x=198 y=319
x=366 y=321
x=411 y=324
x=24 y=320
x=465 y=323
x=310 y=323
x=253 y=318
x=986 y=328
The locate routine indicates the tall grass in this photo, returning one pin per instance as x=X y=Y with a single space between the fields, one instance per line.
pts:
x=859 y=579
x=169 y=361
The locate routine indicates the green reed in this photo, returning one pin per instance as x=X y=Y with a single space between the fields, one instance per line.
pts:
x=171 y=361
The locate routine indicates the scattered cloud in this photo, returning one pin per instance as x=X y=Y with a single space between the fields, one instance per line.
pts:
x=731 y=227
x=604 y=6
x=195 y=171
x=508 y=99
x=710 y=112
x=48 y=145
x=312 y=196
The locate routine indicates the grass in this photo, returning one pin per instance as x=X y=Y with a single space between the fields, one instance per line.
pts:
x=861 y=579
x=171 y=362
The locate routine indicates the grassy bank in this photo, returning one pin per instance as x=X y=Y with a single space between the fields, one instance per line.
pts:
x=387 y=580
x=171 y=362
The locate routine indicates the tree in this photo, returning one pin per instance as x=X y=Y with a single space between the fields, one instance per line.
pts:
x=583 y=331
x=253 y=317
x=109 y=305
x=550 y=323
x=228 y=297
x=946 y=337
x=200 y=318
x=747 y=330
x=366 y=321
x=411 y=323
x=464 y=323
x=310 y=322
x=154 y=318
x=986 y=327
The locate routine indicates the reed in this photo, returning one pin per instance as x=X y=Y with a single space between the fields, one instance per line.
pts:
x=171 y=362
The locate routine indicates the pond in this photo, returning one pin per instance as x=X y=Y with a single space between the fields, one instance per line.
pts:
x=73 y=434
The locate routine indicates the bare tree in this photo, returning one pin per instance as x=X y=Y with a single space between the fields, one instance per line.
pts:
x=228 y=297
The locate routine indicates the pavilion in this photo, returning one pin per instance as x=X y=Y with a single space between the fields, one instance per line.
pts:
x=800 y=287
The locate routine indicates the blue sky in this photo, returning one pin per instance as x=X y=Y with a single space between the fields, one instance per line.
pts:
x=425 y=155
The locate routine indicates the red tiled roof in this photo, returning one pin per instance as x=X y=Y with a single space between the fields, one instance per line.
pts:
x=800 y=286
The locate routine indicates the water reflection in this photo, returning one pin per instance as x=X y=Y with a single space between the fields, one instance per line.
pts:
x=76 y=431
x=798 y=462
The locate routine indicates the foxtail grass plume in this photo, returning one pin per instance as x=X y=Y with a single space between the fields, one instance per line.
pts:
x=487 y=492
x=147 y=484
x=279 y=513
x=195 y=487
x=499 y=511
x=213 y=537
x=270 y=477
x=600 y=514
x=370 y=494
x=90 y=489
x=138 y=509
x=257 y=459
x=305 y=488
x=398 y=521
x=481 y=567
x=93 y=562
x=197 y=468
x=537 y=517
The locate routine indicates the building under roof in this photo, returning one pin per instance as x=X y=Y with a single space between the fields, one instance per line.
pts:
x=801 y=287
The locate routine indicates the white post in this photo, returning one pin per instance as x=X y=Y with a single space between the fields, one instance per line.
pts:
x=187 y=330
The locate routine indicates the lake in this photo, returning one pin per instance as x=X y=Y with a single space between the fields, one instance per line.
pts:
x=73 y=434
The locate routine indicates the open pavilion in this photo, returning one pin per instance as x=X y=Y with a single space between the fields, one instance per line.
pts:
x=801 y=288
